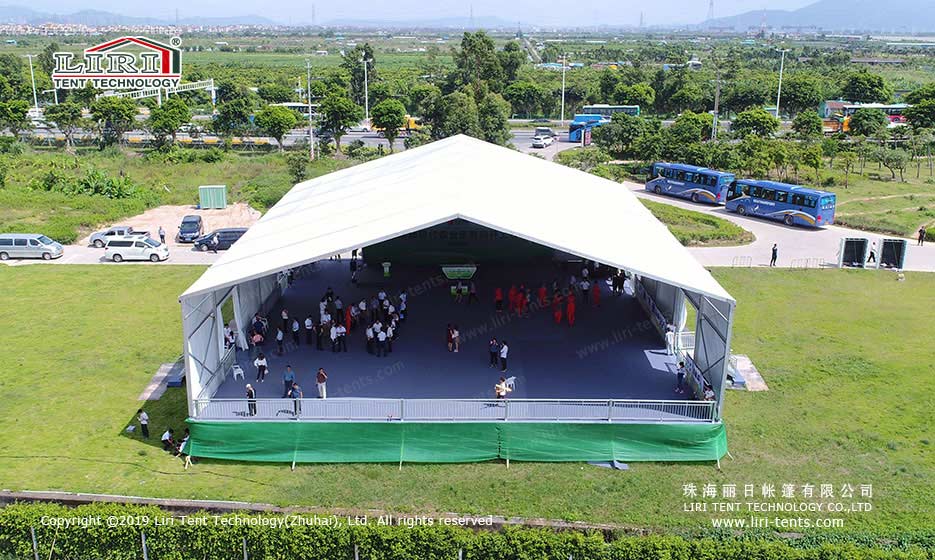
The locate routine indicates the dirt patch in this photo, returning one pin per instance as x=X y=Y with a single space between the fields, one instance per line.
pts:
x=169 y=217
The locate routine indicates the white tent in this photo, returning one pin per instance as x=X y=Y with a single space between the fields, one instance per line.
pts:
x=458 y=177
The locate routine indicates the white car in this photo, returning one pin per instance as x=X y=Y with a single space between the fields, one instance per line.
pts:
x=542 y=141
x=135 y=248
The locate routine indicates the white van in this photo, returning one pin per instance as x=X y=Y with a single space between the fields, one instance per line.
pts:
x=135 y=248
x=28 y=245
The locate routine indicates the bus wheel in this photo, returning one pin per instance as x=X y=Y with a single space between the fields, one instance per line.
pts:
x=657 y=189
x=695 y=197
x=789 y=220
x=741 y=210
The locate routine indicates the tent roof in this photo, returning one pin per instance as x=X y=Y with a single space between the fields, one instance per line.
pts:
x=460 y=177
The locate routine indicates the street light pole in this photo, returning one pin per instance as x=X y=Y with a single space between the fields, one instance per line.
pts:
x=564 y=65
x=308 y=95
x=717 y=100
x=366 y=93
x=782 y=62
x=32 y=75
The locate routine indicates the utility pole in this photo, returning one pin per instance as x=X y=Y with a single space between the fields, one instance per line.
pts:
x=366 y=61
x=308 y=95
x=564 y=66
x=782 y=62
x=32 y=76
x=717 y=100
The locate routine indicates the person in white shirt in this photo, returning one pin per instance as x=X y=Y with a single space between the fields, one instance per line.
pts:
x=228 y=336
x=585 y=288
x=285 y=319
x=504 y=351
x=389 y=338
x=334 y=338
x=295 y=331
x=321 y=307
x=381 y=344
x=144 y=422
x=261 y=367
x=342 y=338
x=456 y=338
x=381 y=295
x=279 y=337
x=362 y=306
x=369 y=333
x=585 y=272
x=670 y=341
x=325 y=318
x=309 y=330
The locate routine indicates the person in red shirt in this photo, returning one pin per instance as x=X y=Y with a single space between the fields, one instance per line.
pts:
x=570 y=310
x=557 y=308
x=512 y=295
x=523 y=298
x=498 y=299
x=542 y=294
x=347 y=319
x=596 y=294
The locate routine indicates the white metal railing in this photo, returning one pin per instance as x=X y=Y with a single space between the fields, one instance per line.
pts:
x=457 y=410
x=742 y=261
x=217 y=378
x=686 y=341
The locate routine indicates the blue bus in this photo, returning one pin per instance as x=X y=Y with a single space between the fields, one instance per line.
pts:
x=608 y=111
x=699 y=184
x=583 y=122
x=790 y=204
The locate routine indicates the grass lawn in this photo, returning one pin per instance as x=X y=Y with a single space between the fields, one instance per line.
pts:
x=845 y=353
x=260 y=179
x=698 y=229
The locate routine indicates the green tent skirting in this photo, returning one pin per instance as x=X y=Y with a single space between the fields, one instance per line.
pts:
x=448 y=442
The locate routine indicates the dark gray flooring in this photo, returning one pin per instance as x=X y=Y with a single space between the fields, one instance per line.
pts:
x=611 y=351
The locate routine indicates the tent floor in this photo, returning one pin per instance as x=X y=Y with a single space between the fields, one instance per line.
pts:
x=612 y=351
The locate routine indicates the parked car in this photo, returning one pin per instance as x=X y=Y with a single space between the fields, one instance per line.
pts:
x=28 y=246
x=544 y=131
x=226 y=237
x=101 y=238
x=541 y=141
x=135 y=248
x=191 y=228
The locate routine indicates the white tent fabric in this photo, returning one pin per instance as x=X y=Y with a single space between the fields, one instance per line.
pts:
x=460 y=177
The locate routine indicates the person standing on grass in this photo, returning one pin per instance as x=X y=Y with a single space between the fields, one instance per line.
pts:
x=251 y=400
x=295 y=331
x=921 y=236
x=162 y=235
x=774 y=256
x=261 y=367
x=504 y=352
x=494 y=348
x=320 y=379
x=144 y=422
x=288 y=379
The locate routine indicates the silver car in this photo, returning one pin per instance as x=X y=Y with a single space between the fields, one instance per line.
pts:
x=28 y=246
x=101 y=238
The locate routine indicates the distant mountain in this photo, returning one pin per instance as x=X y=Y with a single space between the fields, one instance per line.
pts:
x=486 y=22
x=839 y=15
x=93 y=18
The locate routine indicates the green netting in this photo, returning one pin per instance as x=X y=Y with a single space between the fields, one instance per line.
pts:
x=416 y=442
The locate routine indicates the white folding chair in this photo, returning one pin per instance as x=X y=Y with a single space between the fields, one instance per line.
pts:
x=237 y=371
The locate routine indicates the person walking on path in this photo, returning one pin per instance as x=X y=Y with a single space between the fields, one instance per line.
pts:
x=288 y=379
x=494 y=350
x=774 y=256
x=922 y=232
x=162 y=235
x=873 y=253
x=295 y=332
x=279 y=338
x=261 y=367
x=570 y=310
x=320 y=379
x=251 y=400
x=296 y=393
x=504 y=352
x=144 y=422
x=498 y=299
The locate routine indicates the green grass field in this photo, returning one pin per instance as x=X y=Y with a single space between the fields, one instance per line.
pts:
x=698 y=229
x=846 y=355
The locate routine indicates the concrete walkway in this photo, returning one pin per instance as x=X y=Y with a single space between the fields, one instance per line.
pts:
x=84 y=254
x=819 y=247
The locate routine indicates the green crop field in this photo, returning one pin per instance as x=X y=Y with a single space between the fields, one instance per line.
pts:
x=845 y=354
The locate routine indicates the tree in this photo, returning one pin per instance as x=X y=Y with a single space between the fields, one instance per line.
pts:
x=811 y=156
x=920 y=94
x=86 y=95
x=894 y=160
x=421 y=97
x=524 y=96
x=298 y=166
x=922 y=114
x=848 y=163
x=691 y=127
x=233 y=116
x=779 y=156
x=512 y=58
x=276 y=121
x=389 y=115
x=14 y=115
x=114 y=116
x=338 y=114
x=45 y=58
x=608 y=81
x=830 y=148
x=477 y=61
x=584 y=159
x=493 y=114
x=867 y=122
x=352 y=64
x=419 y=137
x=807 y=124
x=864 y=87
x=638 y=94
x=742 y=95
x=619 y=136
x=166 y=119
x=67 y=117
x=275 y=93
x=801 y=92
x=456 y=113
x=756 y=122
x=755 y=156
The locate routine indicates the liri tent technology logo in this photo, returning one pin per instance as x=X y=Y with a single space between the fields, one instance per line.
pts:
x=123 y=63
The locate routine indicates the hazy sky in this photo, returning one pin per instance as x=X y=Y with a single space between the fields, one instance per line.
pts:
x=550 y=12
